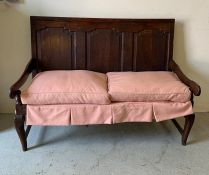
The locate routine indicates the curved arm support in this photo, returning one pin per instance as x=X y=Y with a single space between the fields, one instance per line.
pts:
x=194 y=87
x=14 y=89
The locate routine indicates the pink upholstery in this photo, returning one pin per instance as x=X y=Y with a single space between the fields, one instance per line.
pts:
x=83 y=114
x=147 y=87
x=66 y=87
x=81 y=98
x=166 y=111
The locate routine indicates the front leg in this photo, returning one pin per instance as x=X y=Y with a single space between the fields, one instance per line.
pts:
x=19 y=126
x=189 y=120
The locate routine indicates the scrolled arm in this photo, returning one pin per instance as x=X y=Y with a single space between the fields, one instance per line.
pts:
x=194 y=87
x=14 y=89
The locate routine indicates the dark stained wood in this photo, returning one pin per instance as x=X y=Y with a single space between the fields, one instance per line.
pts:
x=103 y=50
x=189 y=120
x=194 y=87
x=150 y=50
x=27 y=130
x=54 y=49
x=19 y=126
x=100 y=45
x=20 y=109
x=19 y=121
x=126 y=63
x=14 y=89
x=177 y=126
x=79 y=50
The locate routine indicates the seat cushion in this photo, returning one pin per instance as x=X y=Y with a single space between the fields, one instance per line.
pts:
x=147 y=87
x=65 y=87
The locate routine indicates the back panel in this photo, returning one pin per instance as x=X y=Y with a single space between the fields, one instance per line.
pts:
x=102 y=45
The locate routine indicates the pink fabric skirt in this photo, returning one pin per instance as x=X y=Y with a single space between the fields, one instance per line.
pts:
x=86 y=114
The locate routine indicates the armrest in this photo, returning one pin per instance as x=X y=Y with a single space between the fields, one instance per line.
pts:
x=14 y=89
x=194 y=87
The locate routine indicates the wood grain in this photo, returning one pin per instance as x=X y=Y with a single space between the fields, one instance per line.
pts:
x=102 y=45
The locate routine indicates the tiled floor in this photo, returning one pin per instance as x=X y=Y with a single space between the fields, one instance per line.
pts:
x=129 y=149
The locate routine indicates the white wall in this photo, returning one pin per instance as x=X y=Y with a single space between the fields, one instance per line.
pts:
x=14 y=52
x=191 y=47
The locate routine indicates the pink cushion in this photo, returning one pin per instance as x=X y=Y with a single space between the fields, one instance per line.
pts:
x=85 y=114
x=147 y=87
x=64 y=87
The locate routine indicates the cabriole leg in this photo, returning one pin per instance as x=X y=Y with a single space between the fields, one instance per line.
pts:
x=19 y=125
x=189 y=120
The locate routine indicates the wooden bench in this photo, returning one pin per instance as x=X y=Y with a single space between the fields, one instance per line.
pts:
x=100 y=45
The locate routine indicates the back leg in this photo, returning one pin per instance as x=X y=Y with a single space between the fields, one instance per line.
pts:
x=189 y=120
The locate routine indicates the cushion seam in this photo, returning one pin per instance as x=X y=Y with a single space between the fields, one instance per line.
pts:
x=144 y=94
x=64 y=93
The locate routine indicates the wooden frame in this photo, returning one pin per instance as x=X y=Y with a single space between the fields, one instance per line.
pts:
x=100 y=45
